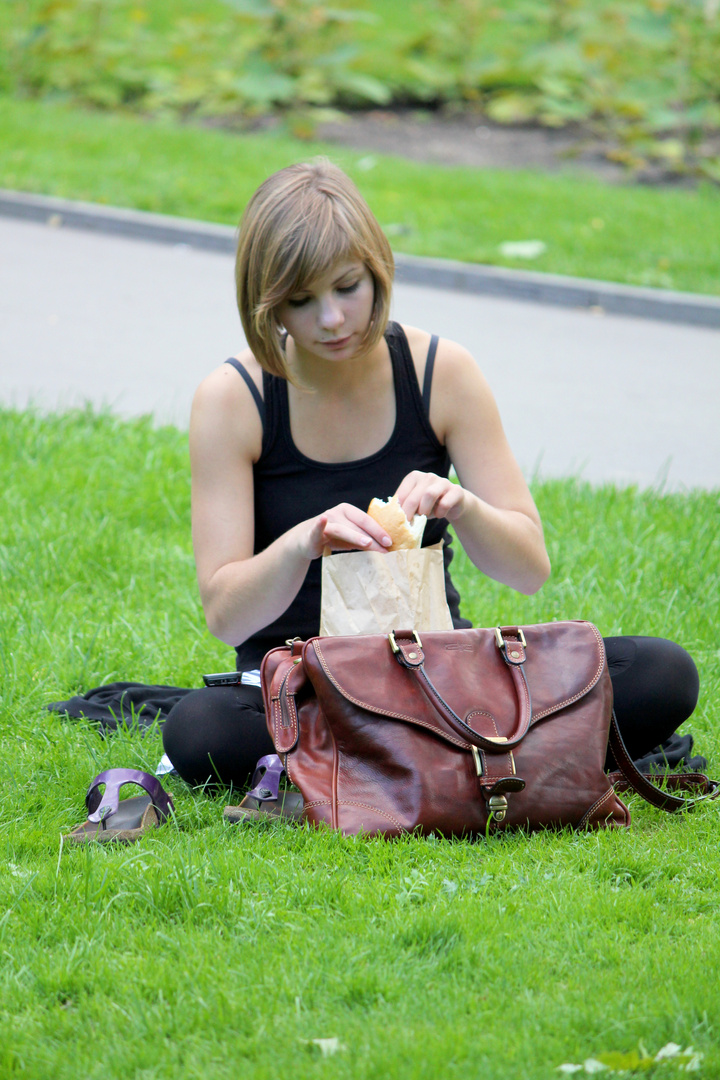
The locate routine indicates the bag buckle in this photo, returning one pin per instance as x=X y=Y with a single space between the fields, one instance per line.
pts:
x=502 y=643
x=394 y=645
x=513 y=651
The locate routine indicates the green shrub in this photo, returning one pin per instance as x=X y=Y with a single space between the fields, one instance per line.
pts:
x=646 y=75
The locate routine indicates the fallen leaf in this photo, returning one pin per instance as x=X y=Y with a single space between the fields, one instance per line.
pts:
x=328 y=1047
x=522 y=249
x=670 y=1050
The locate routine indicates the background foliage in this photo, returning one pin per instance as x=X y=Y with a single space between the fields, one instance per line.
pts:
x=645 y=75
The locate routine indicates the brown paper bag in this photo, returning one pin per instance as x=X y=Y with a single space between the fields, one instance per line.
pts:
x=368 y=592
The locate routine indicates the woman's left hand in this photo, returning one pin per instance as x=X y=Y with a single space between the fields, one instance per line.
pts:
x=431 y=495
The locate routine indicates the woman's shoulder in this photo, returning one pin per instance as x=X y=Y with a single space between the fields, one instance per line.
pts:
x=451 y=358
x=225 y=407
x=459 y=391
x=226 y=380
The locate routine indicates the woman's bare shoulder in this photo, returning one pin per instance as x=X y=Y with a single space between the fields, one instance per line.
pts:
x=224 y=407
x=419 y=342
x=452 y=360
x=225 y=380
x=459 y=389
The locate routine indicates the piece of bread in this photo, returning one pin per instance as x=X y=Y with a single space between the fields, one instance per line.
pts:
x=404 y=534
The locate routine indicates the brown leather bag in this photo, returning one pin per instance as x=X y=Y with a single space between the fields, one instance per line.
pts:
x=463 y=732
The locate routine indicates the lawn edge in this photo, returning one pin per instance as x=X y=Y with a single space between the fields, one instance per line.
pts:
x=480 y=279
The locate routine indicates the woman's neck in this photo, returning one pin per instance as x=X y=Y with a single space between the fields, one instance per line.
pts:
x=340 y=377
x=342 y=411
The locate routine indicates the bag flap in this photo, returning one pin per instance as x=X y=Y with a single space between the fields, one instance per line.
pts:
x=564 y=661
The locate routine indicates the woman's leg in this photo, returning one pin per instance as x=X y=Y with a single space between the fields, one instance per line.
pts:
x=217 y=734
x=655 y=686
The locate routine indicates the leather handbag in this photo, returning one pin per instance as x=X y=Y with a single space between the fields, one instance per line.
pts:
x=461 y=733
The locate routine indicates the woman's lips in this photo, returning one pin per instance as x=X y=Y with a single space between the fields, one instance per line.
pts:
x=337 y=343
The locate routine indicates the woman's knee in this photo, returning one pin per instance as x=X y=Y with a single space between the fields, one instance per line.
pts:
x=655 y=686
x=672 y=670
x=216 y=735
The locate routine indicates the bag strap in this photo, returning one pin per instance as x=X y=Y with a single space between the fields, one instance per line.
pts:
x=629 y=776
x=407 y=648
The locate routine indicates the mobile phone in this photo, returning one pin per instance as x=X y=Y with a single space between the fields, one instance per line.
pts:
x=223 y=678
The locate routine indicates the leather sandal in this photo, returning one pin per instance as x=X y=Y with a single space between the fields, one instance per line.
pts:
x=126 y=821
x=265 y=801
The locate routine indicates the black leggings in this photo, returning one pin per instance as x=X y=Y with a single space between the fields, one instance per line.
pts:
x=218 y=733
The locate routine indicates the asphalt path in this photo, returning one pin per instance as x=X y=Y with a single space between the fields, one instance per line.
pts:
x=133 y=326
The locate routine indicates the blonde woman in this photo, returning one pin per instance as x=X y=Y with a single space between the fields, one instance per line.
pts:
x=330 y=406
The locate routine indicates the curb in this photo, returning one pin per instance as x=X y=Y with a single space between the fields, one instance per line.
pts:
x=600 y=296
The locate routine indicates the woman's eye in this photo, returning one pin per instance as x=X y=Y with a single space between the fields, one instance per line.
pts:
x=345 y=289
x=298 y=301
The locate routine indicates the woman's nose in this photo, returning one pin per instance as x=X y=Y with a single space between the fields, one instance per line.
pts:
x=330 y=313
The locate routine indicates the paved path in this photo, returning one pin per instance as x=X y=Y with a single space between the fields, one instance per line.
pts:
x=135 y=325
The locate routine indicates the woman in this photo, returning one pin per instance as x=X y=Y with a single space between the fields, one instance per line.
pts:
x=330 y=406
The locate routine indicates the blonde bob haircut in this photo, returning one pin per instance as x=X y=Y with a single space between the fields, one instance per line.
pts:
x=299 y=223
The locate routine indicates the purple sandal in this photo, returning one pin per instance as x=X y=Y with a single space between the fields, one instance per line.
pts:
x=265 y=800
x=111 y=819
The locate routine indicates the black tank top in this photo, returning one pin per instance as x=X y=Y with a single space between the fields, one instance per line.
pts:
x=290 y=487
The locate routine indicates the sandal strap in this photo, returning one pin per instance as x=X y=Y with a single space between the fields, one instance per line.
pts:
x=266 y=778
x=101 y=806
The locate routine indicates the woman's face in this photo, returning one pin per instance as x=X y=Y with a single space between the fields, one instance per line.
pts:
x=328 y=318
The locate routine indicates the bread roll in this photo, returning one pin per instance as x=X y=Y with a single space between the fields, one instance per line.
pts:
x=404 y=534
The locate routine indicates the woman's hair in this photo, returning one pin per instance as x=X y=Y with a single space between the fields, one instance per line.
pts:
x=298 y=225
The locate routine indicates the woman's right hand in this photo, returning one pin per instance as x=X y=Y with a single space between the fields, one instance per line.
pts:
x=343 y=528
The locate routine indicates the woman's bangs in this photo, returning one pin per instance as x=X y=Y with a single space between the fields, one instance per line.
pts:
x=318 y=245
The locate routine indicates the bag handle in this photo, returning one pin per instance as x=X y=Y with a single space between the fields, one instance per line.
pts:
x=510 y=640
x=663 y=800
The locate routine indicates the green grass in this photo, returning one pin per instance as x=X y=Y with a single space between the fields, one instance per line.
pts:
x=214 y=951
x=619 y=233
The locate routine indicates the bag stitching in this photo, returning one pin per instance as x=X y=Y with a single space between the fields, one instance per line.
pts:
x=351 y=802
x=293 y=714
x=583 y=692
x=482 y=712
x=595 y=806
x=375 y=809
x=277 y=719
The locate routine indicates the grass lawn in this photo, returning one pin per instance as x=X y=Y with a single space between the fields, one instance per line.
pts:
x=215 y=951
x=637 y=235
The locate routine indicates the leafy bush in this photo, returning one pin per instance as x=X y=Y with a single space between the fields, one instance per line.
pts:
x=260 y=54
x=644 y=74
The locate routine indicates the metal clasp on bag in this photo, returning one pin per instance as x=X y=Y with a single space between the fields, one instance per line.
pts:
x=501 y=642
x=290 y=643
x=497 y=805
x=396 y=648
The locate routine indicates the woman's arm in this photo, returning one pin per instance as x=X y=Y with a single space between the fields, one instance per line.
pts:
x=242 y=592
x=492 y=510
